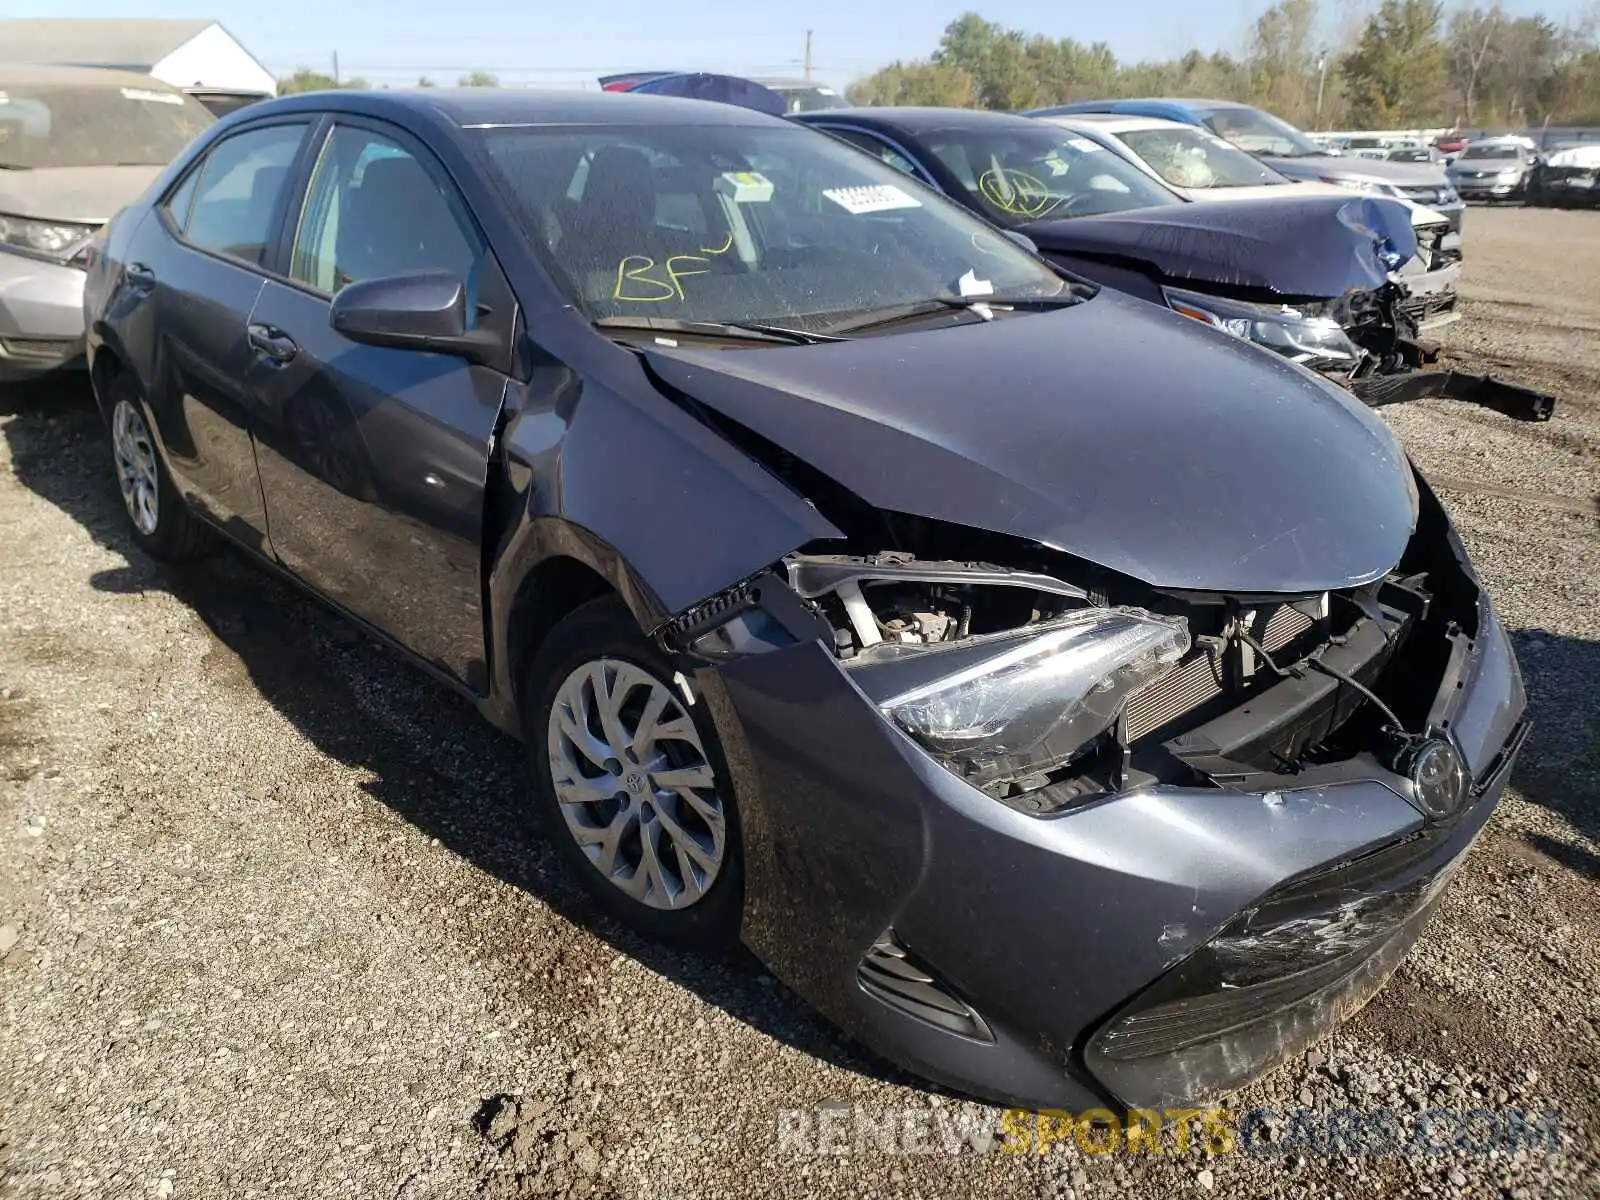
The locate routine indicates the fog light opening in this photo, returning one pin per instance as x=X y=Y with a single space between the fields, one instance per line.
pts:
x=1439 y=779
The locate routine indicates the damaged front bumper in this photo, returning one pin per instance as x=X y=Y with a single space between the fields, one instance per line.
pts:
x=1287 y=969
x=1511 y=399
x=1066 y=958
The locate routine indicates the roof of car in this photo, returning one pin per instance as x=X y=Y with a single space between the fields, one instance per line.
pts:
x=37 y=75
x=1150 y=105
x=918 y=120
x=788 y=81
x=470 y=107
x=1114 y=122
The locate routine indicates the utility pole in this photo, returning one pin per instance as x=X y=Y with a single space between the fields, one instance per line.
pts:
x=808 y=56
x=335 y=68
x=1322 y=78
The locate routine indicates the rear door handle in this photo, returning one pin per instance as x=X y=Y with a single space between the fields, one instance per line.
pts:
x=140 y=277
x=272 y=343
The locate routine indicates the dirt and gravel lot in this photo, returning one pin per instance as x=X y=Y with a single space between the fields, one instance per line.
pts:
x=271 y=921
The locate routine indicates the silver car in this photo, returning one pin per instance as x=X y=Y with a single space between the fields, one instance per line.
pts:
x=76 y=145
x=1492 y=169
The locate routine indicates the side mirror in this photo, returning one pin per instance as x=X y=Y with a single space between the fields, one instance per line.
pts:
x=1023 y=240
x=417 y=310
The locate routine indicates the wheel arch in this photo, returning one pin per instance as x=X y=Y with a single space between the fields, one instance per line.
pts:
x=551 y=570
x=105 y=365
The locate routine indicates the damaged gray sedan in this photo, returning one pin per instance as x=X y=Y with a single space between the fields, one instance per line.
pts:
x=1073 y=702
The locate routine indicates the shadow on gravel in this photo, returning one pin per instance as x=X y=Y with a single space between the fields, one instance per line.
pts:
x=435 y=761
x=1559 y=768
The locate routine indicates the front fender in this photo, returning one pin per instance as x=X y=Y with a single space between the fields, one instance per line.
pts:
x=618 y=477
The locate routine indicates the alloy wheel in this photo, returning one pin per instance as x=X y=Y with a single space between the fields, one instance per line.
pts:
x=634 y=785
x=135 y=454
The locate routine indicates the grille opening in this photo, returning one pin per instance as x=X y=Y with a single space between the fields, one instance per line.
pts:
x=1224 y=718
x=890 y=973
x=1198 y=688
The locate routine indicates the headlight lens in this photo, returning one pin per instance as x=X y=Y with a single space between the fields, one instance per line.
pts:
x=50 y=239
x=1042 y=694
x=1370 y=186
x=1314 y=341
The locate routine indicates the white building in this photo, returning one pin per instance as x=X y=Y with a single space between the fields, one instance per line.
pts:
x=201 y=57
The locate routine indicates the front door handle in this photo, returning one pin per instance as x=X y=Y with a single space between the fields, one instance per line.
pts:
x=140 y=277
x=272 y=343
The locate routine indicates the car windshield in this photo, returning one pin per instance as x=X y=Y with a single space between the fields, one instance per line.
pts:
x=745 y=223
x=95 y=126
x=1489 y=152
x=1017 y=176
x=1258 y=132
x=1187 y=157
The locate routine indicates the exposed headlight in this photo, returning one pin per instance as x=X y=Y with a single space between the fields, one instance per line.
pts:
x=1315 y=341
x=1042 y=694
x=1370 y=186
x=47 y=239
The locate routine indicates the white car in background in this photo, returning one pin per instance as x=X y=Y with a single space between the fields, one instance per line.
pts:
x=1199 y=165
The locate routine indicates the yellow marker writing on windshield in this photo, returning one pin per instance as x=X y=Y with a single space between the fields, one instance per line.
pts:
x=1016 y=192
x=631 y=281
x=674 y=274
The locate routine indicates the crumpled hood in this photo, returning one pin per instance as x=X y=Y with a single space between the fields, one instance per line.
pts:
x=1583 y=157
x=1113 y=430
x=85 y=195
x=1307 y=247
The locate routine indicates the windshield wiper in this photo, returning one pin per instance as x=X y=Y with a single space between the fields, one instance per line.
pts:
x=748 y=331
x=938 y=304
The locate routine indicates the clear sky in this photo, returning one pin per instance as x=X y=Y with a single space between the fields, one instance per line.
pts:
x=571 y=42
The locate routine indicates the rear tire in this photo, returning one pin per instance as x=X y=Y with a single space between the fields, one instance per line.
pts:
x=629 y=780
x=158 y=517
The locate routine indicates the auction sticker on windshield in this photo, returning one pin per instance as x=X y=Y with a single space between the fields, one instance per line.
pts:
x=745 y=187
x=879 y=198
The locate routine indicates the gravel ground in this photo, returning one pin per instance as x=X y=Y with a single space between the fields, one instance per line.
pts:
x=270 y=921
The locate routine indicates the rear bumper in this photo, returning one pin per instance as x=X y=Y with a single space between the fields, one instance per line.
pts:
x=41 y=318
x=1043 y=929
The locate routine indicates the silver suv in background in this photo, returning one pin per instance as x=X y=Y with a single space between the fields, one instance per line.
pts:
x=76 y=145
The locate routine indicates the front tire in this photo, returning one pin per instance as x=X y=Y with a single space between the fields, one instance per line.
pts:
x=158 y=518
x=630 y=781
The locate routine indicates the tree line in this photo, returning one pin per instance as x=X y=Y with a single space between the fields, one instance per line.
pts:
x=304 y=79
x=1407 y=64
